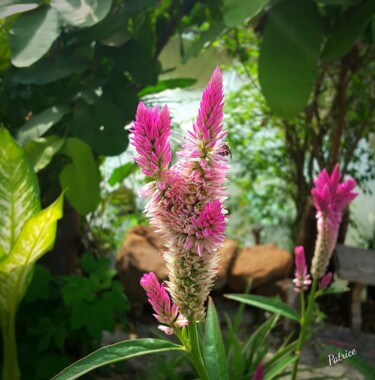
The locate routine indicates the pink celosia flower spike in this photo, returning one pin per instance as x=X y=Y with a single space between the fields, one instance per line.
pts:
x=326 y=280
x=160 y=302
x=150 y=137
x=187 y=200
x=301 y=279
x=330 y=199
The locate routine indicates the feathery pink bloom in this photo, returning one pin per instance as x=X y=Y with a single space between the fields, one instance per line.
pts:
x=151 y=131
x=187 y=199
x=330 y=199
x=325 y=280
x=259 y=372
x=302 y=279
x=165 y=313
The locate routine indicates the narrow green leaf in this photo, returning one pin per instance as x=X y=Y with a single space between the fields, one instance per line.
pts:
x=280 y=355
x=41 y=123
x=4 y=49
x=214 y=351
x=237 y=11
x=42 y=150
x=36 y=238
x=167 y=84
x=279 y=367
x=82 y=13
x=32 y=35
x=270 y=304
x=332 y=290
x=19 y=192
x=80 y=177
x=12 y=9
x=373 y=30
x=115 y=353
x=289 y=55
x=348 y=32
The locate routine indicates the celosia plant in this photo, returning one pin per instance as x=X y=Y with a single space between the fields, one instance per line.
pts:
x=187 y=199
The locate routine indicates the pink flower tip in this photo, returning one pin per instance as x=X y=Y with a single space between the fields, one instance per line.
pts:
x=325 y=280
x=301 y=278
x=259 y=372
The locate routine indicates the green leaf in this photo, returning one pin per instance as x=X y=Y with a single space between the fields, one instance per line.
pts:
x=47 y=70
x=102 y=126
x=348 y=32
x=289 y=55
x=41 y=123
x=373 y=30
x=280 y=355
x=279 y=367
x=4 y=49
x=115 y=353
x=36 y=238
x=42 y=150
x=206 y=38
x=9 y=10
x=167 y=84
x=331 y=290
x=32 y=35
x=82 y=13
x=214 y=351
x=19 y=192
x=270 y=304
x=122 y=172
x=237 y=11
x=80 y=177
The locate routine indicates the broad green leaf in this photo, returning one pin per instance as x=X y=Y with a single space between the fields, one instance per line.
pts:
x=19 y=192
x=279 y=367
x=289 y=55
x=207 y=37
x=47 y=70
x=36 y=238
x=214 y=351
x=122 y=172
x=82 y=13
x=80 y=177
x=42 y=150
x=115 y=353
x=270 y=304
x=41 y=123
x=12 y=9
x=237 y=11
x=167 y=84
x=101 y=126
x=348 y=32
x=32 y=35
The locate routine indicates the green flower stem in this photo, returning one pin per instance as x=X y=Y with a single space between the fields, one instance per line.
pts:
x=195 y=351
x=10 y=369
x=305 y=321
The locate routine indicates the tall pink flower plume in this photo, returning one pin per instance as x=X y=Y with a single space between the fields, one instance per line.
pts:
x=330 y=199
x=259 y=372
x=151 y=131
x=187 y=199
x=302 y=279
x=326 y=280
x=165 y=313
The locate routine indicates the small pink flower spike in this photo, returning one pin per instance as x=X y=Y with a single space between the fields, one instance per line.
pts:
x=326 y=280
x=259 y=372
x=330 y=199
x=301 y=279
x=150 y=137
x=160 y=302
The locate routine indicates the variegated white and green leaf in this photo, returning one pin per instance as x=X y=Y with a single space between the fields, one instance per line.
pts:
x=19 y=191
x=36 y=238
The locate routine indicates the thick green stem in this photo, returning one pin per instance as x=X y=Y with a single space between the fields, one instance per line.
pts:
x=305 y=321
x=196 y=351
x=10 y=369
